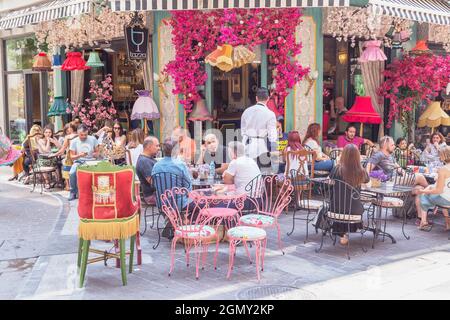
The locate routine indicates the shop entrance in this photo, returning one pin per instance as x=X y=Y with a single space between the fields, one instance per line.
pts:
x=36 y=104
x=233 y=92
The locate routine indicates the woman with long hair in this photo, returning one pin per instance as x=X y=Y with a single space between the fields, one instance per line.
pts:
x=312 y=141
x=349 y=170
x=29 y=146
x=45 y=145
x=431 y=152
x=118 y=136
x=135 y=145
x=294 y=144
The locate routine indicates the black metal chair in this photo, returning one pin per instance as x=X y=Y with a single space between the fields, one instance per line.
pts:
x=340 y=200
x=302 y=199
x=335 y=154
x=162 y=182
x=393 y=201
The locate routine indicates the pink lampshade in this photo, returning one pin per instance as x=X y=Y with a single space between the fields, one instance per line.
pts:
x=362 y=111
x=372 y=52
x=74 y=61
x=200 y=112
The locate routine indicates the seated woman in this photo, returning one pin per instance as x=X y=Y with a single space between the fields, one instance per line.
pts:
x=69 y=133
x=294 y=144
x=437 y=194
x=45 y=145
x=119 y=141
x=323 y=162
x=103 y=132
x=350 y=171
x=29 y=146
x=135 y=145
x=431 y=152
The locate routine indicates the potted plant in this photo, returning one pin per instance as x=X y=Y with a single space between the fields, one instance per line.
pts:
x=377 y=177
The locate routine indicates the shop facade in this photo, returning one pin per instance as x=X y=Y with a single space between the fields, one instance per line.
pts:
x=332 y=65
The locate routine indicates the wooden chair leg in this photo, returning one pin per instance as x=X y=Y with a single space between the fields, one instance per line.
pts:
x=138 y=248
x=84 y=260
x=123 y=265
x=132 y=242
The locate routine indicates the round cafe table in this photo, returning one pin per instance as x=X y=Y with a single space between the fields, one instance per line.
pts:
x=219 y=208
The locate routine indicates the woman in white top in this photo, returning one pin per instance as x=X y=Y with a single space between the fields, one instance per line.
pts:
x=294 y=144
x=323 y=162
x=431 y=152
x=135 y=146
x=45 y=147
x=119 y=141
x=437 y=194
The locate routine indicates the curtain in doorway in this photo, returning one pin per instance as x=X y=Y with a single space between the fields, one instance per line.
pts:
x=77 y=86
x=372 y=73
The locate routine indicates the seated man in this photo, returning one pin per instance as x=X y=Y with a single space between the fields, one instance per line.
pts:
x=81 y=148
x=241 y=169
x=144 y=167
x=170 y=164
x=214 y=152
x=349 y=137
x=187 y=147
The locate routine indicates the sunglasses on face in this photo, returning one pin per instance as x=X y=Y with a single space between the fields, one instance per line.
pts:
x=116 y=128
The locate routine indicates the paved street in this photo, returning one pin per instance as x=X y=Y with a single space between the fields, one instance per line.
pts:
x=38 y=243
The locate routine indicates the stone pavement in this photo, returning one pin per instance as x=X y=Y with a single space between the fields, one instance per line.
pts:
x=38 y=244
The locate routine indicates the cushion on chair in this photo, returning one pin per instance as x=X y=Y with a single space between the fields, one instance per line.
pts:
x=344 y=217
x=310 y=204
x=389 y=202
x=195 y=231
x=246 y=233
x=257 y=220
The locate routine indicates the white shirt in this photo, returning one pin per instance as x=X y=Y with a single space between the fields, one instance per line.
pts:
x=244 y=170
x=135 y=152
x=258 y=122
x=314 y=147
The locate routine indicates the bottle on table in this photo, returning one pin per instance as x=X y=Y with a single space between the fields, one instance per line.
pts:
x=212 y=170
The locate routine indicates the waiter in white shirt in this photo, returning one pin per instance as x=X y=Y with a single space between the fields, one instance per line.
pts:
x=258 y=124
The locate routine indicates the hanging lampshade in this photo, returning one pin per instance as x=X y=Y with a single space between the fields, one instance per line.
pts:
x=421 y=48
x=372 y=52
x=74 y=61
x=42 y=62
x=200 y=112
x=58 y=107
x=434 y=116
x=144 y=107
x=57 y=60
x=242 y=56
x=94 y=60
x=221 y=58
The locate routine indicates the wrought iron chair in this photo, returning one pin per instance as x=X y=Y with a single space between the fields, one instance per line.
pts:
x=39 y=171
x=335 y=154
x=195 y=232
x=302 y=200
x=312 y=159
x=274 y=196
x=393 y=201
x=340 y=200
x=162 y=182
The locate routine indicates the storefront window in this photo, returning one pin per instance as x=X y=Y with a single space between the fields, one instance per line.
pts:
x=16 y=107
x=20 y=53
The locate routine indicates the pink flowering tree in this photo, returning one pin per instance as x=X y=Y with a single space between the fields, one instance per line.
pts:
x=98 y=108
x=196 y=33
x=411 y=83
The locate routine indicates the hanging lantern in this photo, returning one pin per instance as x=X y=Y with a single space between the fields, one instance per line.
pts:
x=58 y=107
x=94 y=60
x=242 y=56
x=421 y=48
x=200 y=112
x=372 y=52
x=144 y=107
x=42 y=62
x=57 y=60
x=74 y=61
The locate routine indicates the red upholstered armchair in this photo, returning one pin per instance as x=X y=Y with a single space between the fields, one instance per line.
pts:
x=108 y=210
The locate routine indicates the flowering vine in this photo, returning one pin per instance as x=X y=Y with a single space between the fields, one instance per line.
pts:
x=412 y=81
x=98 y=107
x=196 y=33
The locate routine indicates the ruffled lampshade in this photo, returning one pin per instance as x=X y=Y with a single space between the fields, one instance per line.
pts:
x=42 y=62
x=144 y=107
x=242 y=56
x=221 y=58
x=372 y=52
x=74 y=61
x=200 y=112
x=58 y=107
x=434 y=116
x=421 y=48
x=94 y=60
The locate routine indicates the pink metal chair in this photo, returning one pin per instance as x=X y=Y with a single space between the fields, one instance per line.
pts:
x=273 y=196
x=186 y=227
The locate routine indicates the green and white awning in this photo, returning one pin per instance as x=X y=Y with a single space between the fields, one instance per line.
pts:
x=150 y=5
x=45 y=12
x=431 y=11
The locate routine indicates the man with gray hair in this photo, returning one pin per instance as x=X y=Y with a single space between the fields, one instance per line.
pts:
x=81 y=148
x=384 y=159
x=242 y=169
x=144 y=167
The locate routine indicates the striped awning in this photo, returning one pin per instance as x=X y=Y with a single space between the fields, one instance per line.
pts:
x=431 y=11
x=132 y=5
x=45 y=12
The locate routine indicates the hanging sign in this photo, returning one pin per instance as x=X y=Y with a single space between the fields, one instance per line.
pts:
x=136 y=37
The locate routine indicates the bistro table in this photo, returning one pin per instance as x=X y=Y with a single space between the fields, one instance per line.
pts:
x=382 y=191
x=204 y=183
x=220 y=208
